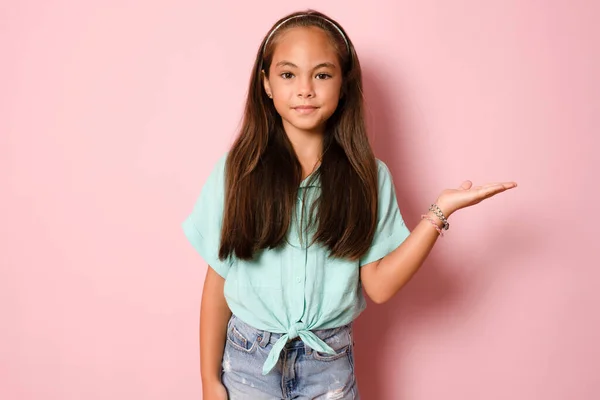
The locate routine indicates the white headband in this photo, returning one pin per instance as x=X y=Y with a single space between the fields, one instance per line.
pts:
x=307 y=15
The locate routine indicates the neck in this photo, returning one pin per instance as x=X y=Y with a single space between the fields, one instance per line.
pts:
x=308 y=147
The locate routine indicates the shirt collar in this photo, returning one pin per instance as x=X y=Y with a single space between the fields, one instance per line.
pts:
x=314 y=182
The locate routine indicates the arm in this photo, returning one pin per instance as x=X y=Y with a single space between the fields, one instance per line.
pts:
x=214 y=316
x=383 y=278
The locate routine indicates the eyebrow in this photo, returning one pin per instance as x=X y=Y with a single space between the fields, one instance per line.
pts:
x=292 y=65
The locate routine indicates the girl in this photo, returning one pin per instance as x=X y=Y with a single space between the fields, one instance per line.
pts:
x=297 y=219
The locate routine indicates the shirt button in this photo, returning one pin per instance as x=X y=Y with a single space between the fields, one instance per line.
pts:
x=298 y=280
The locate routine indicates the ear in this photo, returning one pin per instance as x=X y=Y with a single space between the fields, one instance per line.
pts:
x=266 y=84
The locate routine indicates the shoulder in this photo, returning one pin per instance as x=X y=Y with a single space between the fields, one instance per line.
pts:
x=213 y=188
x=382 y=166
x=219 y=165
x=384 y=175
x=217 y=172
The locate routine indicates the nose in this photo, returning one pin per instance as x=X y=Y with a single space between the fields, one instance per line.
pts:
x=305 y=88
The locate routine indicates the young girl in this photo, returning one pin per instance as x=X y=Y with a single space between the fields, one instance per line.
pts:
x=297 y=219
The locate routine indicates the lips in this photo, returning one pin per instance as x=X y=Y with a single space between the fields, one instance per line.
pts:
x=305 y=109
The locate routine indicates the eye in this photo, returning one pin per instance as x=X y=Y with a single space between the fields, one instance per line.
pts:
x=323 y=76
x=286 y=75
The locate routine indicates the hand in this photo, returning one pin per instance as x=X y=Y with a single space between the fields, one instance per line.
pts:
x=451 y=200
x=215 y=391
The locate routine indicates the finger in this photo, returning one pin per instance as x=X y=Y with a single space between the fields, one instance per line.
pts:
x=507 y=185
x=492 y=190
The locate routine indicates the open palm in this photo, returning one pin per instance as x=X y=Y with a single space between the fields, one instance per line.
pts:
x=451 y=200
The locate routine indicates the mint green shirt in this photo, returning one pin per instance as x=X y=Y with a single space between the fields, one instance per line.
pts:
x=293 y=289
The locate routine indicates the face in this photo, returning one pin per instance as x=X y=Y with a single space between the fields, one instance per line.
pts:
x=305 y=79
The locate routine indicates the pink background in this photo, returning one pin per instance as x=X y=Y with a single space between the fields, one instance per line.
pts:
x=113 y=112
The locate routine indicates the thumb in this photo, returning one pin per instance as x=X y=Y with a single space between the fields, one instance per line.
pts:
x=466 y=185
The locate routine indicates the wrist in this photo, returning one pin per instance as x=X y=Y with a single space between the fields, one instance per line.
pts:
x=437 y=219
x=211 y=382
x=446 y=209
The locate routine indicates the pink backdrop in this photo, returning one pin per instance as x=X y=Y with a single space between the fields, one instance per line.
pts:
x=113 y=112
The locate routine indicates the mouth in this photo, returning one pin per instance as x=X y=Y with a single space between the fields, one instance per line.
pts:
x=305 y=109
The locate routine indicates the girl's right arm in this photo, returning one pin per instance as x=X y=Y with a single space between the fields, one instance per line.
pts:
x=214 y=316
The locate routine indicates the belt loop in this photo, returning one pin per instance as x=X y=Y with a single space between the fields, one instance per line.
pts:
x=265 y=338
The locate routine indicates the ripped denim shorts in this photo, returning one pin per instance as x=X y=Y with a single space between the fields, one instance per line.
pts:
x=300 y=373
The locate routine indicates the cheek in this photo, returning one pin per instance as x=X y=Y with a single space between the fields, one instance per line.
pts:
x=333 y=98
x=281 y=105
x=281 y=88
x=331 y=93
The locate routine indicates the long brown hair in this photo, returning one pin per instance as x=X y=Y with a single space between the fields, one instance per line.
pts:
x=263 y=172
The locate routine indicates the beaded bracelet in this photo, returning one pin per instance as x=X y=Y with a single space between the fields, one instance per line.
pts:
x=425 y=216
x=438 y=212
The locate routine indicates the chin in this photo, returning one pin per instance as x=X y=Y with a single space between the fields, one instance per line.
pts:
x=306 y=127
x=306 y=124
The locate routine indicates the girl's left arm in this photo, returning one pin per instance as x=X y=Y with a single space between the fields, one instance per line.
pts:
x=383 y=278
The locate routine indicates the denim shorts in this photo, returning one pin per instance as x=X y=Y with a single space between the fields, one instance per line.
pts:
x=301 y=372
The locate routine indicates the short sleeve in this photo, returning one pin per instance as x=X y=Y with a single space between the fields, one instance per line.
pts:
x=203 y=226
x=391 y=230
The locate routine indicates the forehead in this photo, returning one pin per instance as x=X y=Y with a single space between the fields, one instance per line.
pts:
x=309 y=44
